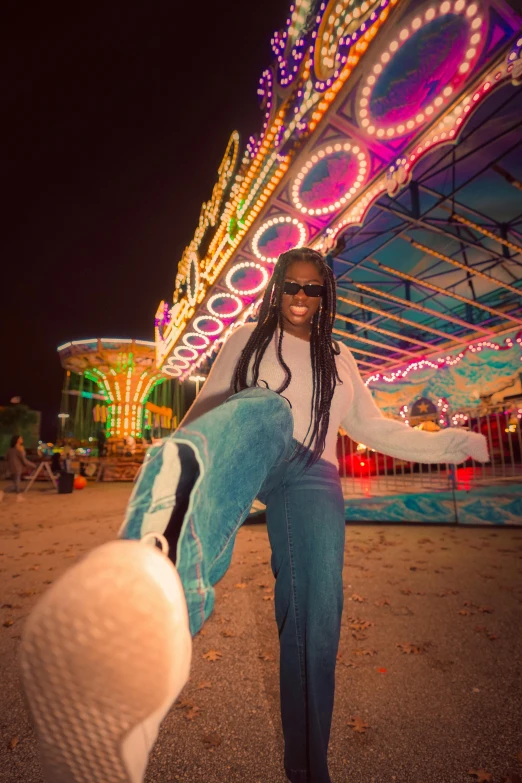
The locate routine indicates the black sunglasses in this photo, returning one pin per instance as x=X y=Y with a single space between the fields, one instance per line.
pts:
x=310 y=289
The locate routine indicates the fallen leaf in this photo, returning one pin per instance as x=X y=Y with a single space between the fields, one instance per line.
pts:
x=485 y=610
x=203 y=685
x=212 y=655
x=365 y=652
x=8 y=623
x=184 y=704
x=266 y=657
x=192 y=713
x=356 y=597
x=13 y=743
x=357 y=724
x=228 y=634
x=240 y=585
x=411 y=649
x=361 y=625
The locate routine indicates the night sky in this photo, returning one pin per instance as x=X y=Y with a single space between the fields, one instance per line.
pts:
x=115 y=121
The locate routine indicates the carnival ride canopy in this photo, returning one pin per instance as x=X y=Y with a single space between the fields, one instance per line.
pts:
x=391 y=142
x=125 y=374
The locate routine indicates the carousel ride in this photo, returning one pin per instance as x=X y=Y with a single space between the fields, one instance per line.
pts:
x=114 y=400
x=391 y=142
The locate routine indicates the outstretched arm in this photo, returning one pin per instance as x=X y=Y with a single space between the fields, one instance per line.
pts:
x=366 y=424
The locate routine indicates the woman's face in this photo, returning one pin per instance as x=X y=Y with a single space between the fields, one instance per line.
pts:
x=299 y=309
x=20 y=441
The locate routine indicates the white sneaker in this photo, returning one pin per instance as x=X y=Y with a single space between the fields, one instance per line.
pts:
x=105 y=653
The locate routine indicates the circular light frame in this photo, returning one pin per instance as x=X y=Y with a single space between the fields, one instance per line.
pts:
x=237 y=300
x=176 y=352
x=220 y=325
x=273 y=222
x=186 y=340
x=457 y=8
x=244 y=265
x=174 y=372
x=192 y=295
x=337 y=30
x=331 y=149
x=178 y=361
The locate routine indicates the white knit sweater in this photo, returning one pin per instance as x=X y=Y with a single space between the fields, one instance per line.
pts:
x=353 y=406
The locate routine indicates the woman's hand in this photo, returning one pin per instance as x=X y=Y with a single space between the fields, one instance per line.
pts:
x=468 y=444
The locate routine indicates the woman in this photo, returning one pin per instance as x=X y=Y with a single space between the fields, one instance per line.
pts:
x=17 y=463
x=264 y=425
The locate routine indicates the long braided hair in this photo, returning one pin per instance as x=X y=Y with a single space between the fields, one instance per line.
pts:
x=322 y=348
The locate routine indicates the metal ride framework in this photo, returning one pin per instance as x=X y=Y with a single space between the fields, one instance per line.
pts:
x=391 y=143
x=429 y=271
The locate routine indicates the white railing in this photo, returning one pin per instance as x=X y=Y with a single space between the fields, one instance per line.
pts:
x=366 y=473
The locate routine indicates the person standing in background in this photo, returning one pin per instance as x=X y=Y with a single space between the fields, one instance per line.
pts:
x=17 y=462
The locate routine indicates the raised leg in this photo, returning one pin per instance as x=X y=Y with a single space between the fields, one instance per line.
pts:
x=198 y=487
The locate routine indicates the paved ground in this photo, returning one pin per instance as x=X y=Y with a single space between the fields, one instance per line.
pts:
x=429 y=679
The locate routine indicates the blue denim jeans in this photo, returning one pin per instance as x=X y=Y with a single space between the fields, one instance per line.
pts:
x=239 y=451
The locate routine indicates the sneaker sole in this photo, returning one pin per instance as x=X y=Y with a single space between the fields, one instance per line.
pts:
x=100 y=655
